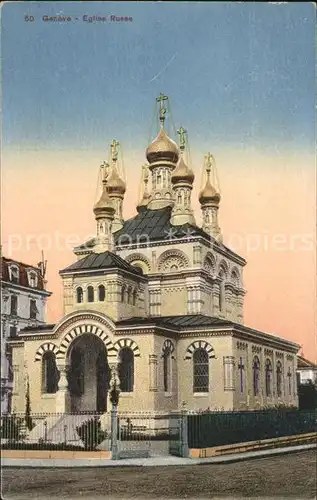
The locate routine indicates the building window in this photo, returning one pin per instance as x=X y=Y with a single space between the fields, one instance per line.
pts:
x=126 y=369
x=256 y=376
x=50 y=373
x=130 y=295
x=167 y=366
x=14 y=274
x=279 y=379
x=268 y=377
x=122 y=294
x=79 y=295
x=90 y=294
x=13 y=331
x=222 y=291
x=32 y=279
x=289 y=376
x=200 y=370
x=14 y=305
x=33 y=309
x=134 y=296
x=101 y=293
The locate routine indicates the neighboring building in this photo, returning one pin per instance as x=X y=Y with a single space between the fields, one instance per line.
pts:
x=306 y=370
x=157 y=302
x=23 y=301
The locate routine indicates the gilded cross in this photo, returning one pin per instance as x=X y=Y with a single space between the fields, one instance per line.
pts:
x=104 y=168
x=114 y=150
x=160 y=99
x=182 y=138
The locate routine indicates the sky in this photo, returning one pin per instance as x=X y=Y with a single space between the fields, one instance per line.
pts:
x=240 y=78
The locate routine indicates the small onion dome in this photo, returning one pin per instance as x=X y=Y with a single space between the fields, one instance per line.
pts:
x=182 y=173
x=115 y=185
x=144 y=201
x=104 y=205
x=209 y=194
x=162 y=148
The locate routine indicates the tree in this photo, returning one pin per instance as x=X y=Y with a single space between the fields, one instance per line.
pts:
x=307 y=396
x=28 y=418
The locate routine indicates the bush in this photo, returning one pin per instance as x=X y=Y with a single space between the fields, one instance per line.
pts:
x=91 y=434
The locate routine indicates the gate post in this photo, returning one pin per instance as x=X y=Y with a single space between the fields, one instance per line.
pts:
x=184 y=432
x=114 y=432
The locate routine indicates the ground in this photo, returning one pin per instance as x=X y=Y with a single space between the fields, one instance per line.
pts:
x=286 y=476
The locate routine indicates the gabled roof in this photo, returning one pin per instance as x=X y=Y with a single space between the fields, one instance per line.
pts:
x=105 y=260
x=305 y=363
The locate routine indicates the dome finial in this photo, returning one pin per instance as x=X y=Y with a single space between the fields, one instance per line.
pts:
x=182 y=138
x=162 y=112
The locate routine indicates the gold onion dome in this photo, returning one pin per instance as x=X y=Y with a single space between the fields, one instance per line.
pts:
x=162 y=148
x=115 y=185
x=209 y=194
x=182 y=173
x=104 y=204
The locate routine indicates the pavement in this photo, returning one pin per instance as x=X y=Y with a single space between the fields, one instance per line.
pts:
x=154 y=461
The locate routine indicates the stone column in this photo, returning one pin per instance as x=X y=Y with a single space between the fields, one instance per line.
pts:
x=62 y=395
x=228 y=365
x=153 y=372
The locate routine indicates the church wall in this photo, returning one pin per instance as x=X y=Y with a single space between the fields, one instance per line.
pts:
x=145 y=377
x=166 y=401
x=246 y=352
x=18 y=394
x=217 y=397
x=173 y=299
x=112 y=306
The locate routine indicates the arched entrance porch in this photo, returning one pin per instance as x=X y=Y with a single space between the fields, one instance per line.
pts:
x=88 y=374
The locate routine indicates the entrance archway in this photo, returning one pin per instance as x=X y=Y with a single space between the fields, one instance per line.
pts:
x=89 y=374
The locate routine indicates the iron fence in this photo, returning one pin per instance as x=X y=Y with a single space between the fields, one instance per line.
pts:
x=136 y=434
x=58 y=431
x=218 y=428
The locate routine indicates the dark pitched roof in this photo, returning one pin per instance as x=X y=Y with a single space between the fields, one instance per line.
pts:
x=105 y=260
x=305 y=363
x=154 y=225
x=176 y=322
x=23 y=275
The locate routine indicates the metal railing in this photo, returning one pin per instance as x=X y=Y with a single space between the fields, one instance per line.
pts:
x=216 y=428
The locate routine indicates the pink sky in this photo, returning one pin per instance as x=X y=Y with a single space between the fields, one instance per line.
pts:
x=267 y=214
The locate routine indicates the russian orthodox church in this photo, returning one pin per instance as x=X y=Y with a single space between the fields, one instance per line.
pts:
x=155 y=302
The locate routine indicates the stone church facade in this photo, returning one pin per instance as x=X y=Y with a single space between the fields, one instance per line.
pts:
x=155 y=302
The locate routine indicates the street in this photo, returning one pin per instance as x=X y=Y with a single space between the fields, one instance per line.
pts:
x=286 y=476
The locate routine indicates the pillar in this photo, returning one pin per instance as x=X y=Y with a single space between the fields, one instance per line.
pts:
x=153 y=372
x=62 y=395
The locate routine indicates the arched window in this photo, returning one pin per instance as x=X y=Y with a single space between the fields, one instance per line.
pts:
x=77 y=372
x=268 y=377
x=79 y=295
x=129 y=295
x=289 y=376
x=222 y=291
x=167 y=367
x=200 y=370
x=126 y=369
x=134 y=297
x=279 y=378
x=256 y=376
x=90 y=293
x=101 y=293
x=50 y=373
x=123 y=294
